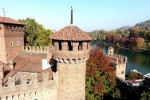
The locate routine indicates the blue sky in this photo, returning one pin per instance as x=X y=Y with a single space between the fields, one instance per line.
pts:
x=88 y=14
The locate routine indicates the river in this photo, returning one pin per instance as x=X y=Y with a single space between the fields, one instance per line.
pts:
x=135 y=60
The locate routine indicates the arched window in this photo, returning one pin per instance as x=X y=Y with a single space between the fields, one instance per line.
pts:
x=7 y=98
x=18 y=42
x=11 y=43
x=13 y=97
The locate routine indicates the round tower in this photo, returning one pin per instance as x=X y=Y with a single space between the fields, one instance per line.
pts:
x=71 y=50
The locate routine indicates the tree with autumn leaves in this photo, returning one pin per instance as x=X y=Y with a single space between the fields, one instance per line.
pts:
x=100 y=77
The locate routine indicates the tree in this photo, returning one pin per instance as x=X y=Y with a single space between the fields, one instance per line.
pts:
x=100 y=77
x=108 y=39
x=35 y=33
x=134 y=32
x=145 y=96
x=132 y=42
x=140 y=42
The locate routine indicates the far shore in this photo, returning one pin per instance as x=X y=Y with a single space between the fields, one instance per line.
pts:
x=138 y=50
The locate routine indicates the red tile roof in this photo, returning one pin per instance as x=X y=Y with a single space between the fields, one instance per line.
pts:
x=29 y=62
x=71 y=33
x=9 y=21
x=26 y=63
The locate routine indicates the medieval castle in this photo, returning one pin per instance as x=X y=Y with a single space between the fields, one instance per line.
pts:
x=42 y=73
x=46 y=73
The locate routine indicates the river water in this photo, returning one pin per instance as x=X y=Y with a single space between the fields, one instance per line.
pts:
x=135 y=60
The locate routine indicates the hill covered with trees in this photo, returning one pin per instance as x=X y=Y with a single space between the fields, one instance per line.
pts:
x=135 y=37
x=143 y=25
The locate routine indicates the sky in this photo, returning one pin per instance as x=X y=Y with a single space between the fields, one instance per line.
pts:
x=89 y=15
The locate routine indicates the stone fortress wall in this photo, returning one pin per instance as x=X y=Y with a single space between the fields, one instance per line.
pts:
x=41 y=90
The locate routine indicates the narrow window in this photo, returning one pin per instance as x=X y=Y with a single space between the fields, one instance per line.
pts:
x=70 y=46
x=87 y=45
x=60 y=46
x=80 y=45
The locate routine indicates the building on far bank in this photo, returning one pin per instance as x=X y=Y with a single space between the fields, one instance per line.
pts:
x=118 y=62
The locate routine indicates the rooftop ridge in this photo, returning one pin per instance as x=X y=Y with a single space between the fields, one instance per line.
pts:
x=9 y=21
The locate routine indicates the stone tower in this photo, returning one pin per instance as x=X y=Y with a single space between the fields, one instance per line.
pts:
x=71 y=50
x=11 y=39
x=110 y=51
x=118 y=62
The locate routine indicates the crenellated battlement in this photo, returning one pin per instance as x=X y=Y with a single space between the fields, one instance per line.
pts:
x=117 y=59
x=36 y=49
x=25 y=88
x=71 y=51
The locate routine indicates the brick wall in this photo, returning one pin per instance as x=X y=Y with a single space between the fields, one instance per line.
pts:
x=11 y=42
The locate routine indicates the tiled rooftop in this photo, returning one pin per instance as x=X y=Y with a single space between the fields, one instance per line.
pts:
x=26 y=62
x=9 y=21
x=29 y=62
x=71 y=33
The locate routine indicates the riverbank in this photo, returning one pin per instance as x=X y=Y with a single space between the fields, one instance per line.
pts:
x=137 y=50
x=135 y=60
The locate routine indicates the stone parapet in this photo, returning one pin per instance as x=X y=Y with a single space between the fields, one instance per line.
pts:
x=117 y=59
x=36 y=49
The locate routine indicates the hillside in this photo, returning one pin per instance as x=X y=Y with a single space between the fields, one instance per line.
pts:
x=143 y=25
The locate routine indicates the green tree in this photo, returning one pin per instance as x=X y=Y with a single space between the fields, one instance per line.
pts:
x=35 y=33
x=140 y=42
x=145 y=96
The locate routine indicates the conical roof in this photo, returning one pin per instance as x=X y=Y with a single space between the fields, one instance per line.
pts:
x=72 y=33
